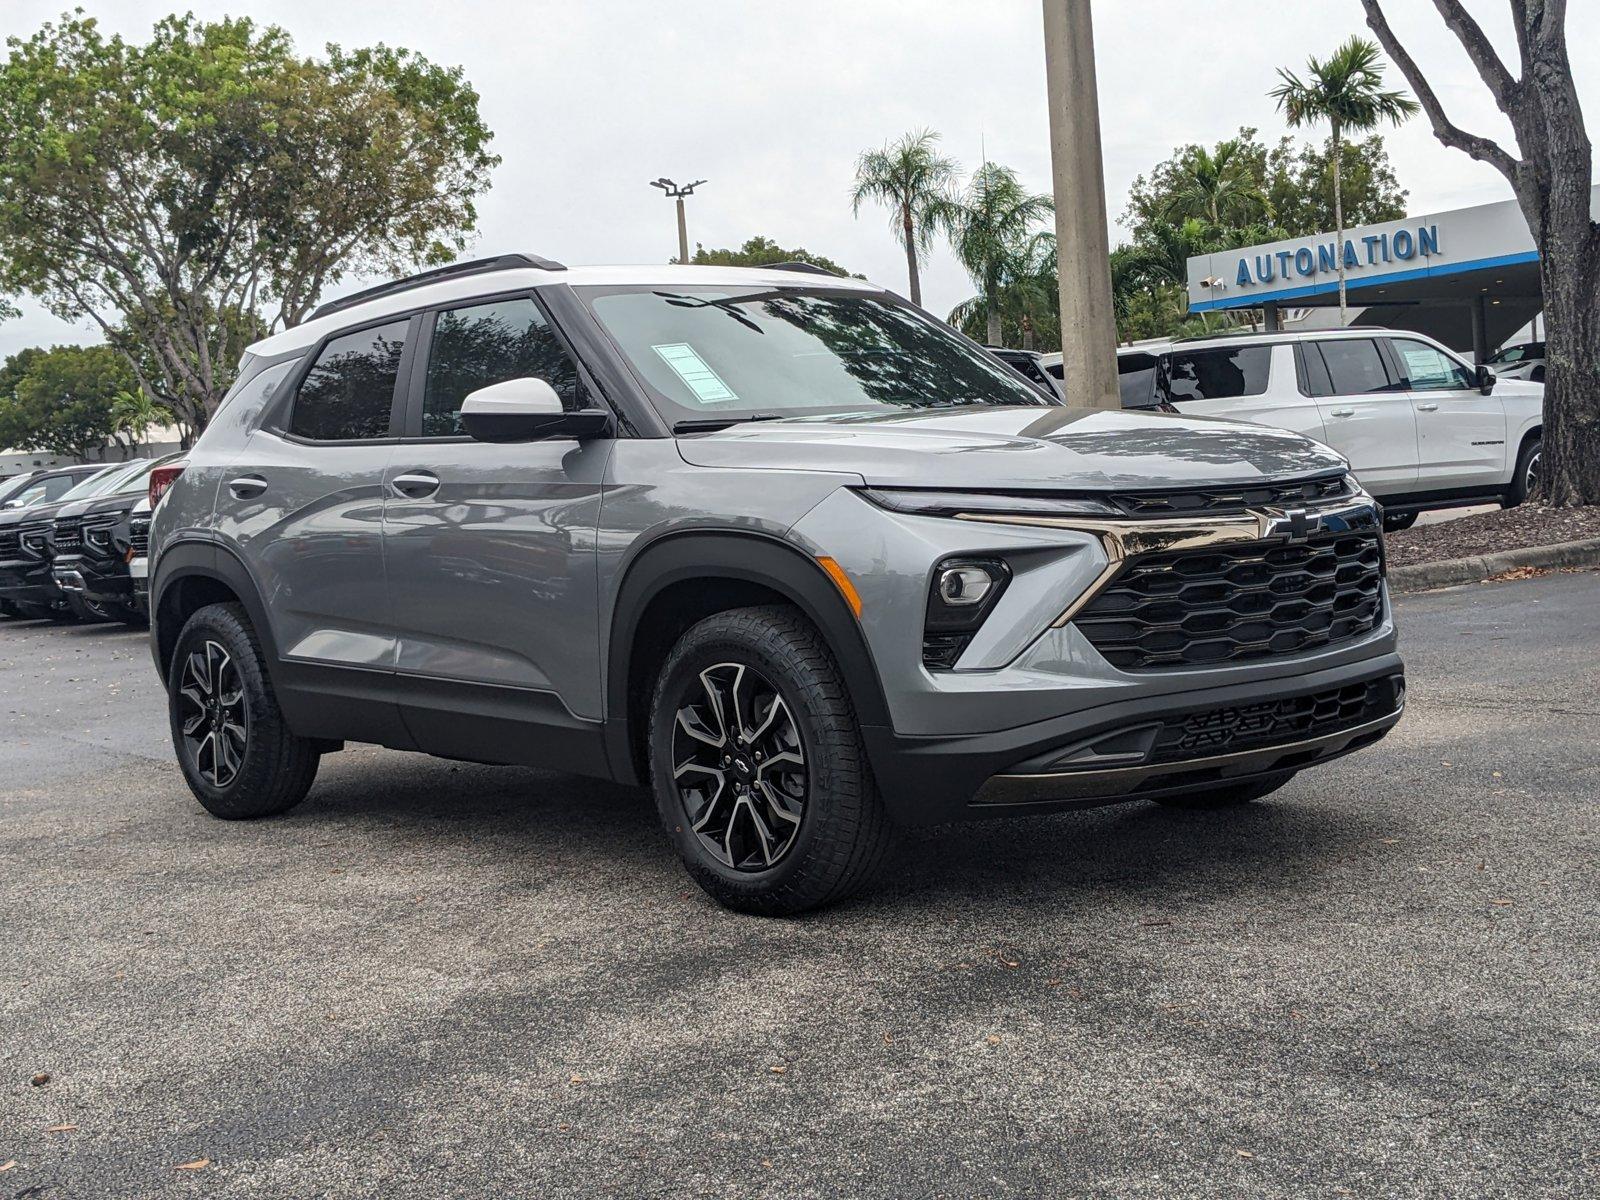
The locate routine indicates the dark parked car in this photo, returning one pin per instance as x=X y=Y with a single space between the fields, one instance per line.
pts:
x=89 y=560
x=27 y=581
x=1030 y=365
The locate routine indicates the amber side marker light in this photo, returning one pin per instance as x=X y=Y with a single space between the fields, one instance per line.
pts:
x=842 y=582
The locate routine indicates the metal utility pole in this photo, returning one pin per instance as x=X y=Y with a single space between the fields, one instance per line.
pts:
x=678 y=193
x=1083 y=248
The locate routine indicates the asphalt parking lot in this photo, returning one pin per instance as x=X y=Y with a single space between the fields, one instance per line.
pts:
x=435 y=979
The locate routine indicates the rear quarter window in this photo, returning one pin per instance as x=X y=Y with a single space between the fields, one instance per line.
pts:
x=1224 y=373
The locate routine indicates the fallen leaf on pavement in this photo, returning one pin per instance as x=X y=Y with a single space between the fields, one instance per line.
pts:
x=198 y=1164
x=61 y=1129
x=42 y=1078
x=1500 y=903
x=778 y=1070
x=993 y=1039
x=6 y=1166
x=576 y=1079
x=1245 y=1154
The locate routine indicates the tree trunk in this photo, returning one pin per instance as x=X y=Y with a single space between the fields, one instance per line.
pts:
x=1338 y=221
x=1029 y=340
x=909 y=235
x=1569 y=271
x=992 y=334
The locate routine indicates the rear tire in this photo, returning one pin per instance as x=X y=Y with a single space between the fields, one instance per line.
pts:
x=760 y=775
x=1231 y=796
x=237 y=753
x=1525 y=481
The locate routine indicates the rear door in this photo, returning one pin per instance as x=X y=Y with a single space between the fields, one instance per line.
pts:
x=1461 y=433
x=1366 y=411
x=491 y=547
x=303 y=500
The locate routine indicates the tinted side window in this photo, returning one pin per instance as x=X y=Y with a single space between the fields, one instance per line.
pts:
x=490 y=343
x=1428 y=370
x=1136 y=380
x=1221 y=374
x=60 y=485
x=1355 y=367
x=350 y=388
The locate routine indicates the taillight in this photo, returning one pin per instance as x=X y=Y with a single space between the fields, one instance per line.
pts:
x=163 y=478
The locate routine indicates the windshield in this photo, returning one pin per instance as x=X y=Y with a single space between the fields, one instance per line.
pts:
x=1512 y=354
x=730 y=353
x=12 y=487
x=105 y=483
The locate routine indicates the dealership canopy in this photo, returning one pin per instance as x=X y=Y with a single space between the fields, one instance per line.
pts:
x=1469 y=277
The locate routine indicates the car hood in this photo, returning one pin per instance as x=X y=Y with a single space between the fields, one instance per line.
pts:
x=1023 y=447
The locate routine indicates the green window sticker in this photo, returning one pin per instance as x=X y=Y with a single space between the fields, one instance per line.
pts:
x=705 y=383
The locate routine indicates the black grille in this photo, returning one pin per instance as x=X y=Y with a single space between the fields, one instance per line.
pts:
x=67 y=535
x=1276 y=722
x=139 y=538
x=1231 y=500
x=1188 y=608
x=10 y=543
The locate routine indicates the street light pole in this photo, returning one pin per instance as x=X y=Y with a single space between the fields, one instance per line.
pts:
x=668 y=187
x=1083 y=248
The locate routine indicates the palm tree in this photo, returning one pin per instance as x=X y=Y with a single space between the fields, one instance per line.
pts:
x=992 y=232
x=133 y=413
x=1347 y=92
x=908 y=177
x=1216 y=186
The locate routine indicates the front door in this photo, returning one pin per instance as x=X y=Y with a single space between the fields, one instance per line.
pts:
x=1461 y=433
x=1366 y=412
x=490 y=548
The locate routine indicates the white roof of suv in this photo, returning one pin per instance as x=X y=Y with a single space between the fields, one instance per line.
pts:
x=510 y=279
x=1224 y=340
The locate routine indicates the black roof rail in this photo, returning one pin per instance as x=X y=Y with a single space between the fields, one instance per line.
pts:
x=473 y=266
x=804 y=267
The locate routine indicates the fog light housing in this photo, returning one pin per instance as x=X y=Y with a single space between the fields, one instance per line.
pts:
x=962 y=593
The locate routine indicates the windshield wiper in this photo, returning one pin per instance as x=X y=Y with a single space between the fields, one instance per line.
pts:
x=713 y=424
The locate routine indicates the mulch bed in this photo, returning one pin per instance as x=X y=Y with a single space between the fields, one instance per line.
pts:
x=1487 y=533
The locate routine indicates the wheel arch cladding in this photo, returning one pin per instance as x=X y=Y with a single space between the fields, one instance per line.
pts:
x=683 y=578
x=190 y=576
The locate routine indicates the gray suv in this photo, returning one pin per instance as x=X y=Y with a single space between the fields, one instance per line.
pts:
x=802 y=559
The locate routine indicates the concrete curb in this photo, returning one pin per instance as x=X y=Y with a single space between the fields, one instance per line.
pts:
x=1454 y=571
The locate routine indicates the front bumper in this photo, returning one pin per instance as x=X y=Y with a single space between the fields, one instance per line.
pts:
x=1108 y=754
x=100 y=580
x=28 y=581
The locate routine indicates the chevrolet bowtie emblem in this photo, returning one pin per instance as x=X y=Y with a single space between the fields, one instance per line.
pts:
x=1295 y=523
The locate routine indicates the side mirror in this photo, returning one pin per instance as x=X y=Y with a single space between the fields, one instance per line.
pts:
x=526 y=410
x=1486 y=379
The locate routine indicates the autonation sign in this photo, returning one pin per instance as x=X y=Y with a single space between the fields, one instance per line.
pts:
x=1322 y=258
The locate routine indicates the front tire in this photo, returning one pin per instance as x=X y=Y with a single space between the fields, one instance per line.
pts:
x=1395 y=522
x=237 y=753
x=1229 y=796
x=760 y=776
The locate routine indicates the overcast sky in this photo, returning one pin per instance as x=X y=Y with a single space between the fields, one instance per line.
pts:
x=771 y=102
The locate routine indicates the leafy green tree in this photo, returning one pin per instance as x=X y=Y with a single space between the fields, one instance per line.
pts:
x=133 y=414
x=993 y=229
x=1345 y=90
x=205 y=186
x=63 y=399
x=915 y=183
x=1216 y=185
x=760 y=252
x=1299 y=186
x=1029 y=301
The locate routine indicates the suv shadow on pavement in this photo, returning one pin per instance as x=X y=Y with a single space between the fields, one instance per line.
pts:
x=572 y=831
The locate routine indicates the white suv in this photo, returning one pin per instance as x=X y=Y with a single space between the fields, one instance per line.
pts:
x=1420 y=427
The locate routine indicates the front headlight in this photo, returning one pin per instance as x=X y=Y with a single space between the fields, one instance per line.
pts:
x=928 y=503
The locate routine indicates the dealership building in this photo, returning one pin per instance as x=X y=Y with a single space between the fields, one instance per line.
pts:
x=1468 y=277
